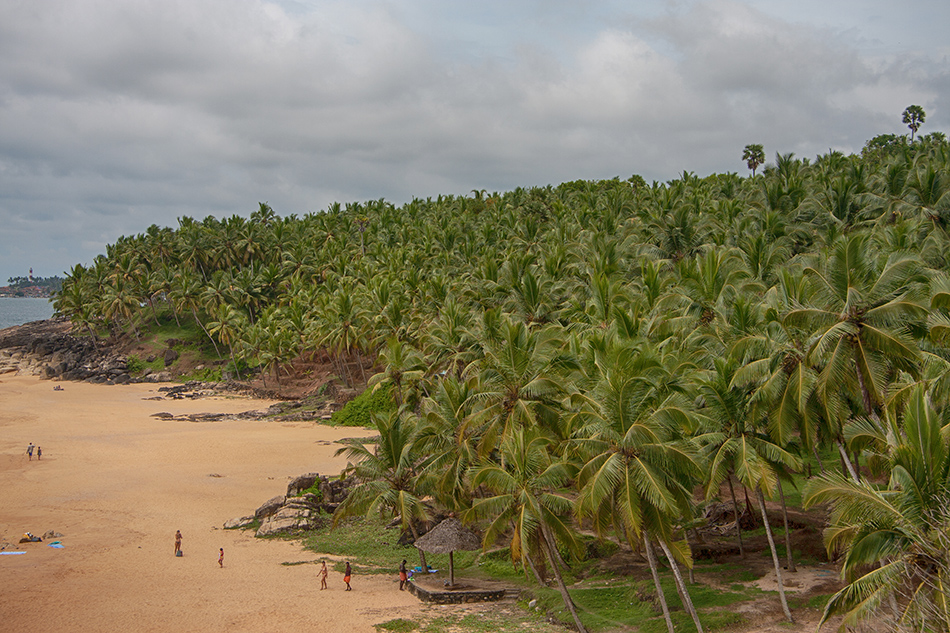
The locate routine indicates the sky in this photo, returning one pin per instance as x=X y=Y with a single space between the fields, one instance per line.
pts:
x=116 y=115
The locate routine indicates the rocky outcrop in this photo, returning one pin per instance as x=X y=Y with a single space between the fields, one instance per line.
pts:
x=49 y=350
x=298 y=511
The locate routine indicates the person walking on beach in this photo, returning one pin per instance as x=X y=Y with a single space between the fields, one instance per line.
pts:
x=221 y=558
x=403 y=575
x=29 y=451
x=323 y=576
x=177 y=542
x=39 y=453
x=346 y=576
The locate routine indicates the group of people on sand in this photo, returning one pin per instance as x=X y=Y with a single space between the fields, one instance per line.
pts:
x=324 y=572
x=31 y=449
x=178 y=551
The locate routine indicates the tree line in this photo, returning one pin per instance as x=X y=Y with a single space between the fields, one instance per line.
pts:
x=592 y=353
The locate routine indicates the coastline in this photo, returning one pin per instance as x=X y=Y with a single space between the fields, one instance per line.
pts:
x=117 y=483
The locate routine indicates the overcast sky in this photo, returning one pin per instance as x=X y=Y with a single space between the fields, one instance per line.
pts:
x=117 y=114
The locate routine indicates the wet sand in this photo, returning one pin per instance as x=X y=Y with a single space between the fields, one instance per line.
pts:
x=117 y=483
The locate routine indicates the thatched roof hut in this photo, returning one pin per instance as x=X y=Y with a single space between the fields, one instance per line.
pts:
x=447 y=537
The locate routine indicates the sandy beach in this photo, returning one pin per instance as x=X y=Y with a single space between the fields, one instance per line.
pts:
x=117 y=483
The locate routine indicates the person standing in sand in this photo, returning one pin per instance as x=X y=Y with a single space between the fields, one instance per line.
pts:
x=221 y=558
x=403 y=575
x=177 y=542
x=39 y=453
x=323 y=576
x=346 y=576
x=29 y=451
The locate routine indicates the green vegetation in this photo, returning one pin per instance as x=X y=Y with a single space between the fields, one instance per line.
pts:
x=399 y=625
x=595 y=353
x=360 y=410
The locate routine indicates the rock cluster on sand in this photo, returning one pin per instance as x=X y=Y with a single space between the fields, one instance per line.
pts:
x=48 y=350
x=297 y=511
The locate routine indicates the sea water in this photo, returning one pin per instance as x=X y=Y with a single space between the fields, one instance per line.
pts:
x=20 y=310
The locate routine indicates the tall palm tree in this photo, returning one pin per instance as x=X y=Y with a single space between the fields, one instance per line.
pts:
x=387 y=475
x=527 y=487
x=753 y=155
x=862 y=318
x=895 y=539
x=639 y=469
x=735 y=445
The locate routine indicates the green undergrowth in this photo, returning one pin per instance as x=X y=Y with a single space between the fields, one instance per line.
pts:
x=359 y=411
x=370 y=546
x=606 y=602
x=488 y=622
x=399 y=625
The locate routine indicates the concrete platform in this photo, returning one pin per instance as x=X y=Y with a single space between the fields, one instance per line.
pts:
x=464 y=591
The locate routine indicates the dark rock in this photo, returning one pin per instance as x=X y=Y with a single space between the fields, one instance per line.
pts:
x=170 y=356
x=301 y=483
x=269 y=507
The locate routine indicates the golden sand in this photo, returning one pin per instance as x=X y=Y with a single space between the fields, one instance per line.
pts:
x=117 y=483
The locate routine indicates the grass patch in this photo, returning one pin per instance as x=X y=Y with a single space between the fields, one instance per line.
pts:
x=490 y=622
x=399 y=625
x=368 y=545
x=137 y=366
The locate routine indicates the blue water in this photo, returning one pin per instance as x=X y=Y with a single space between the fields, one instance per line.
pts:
x=17 y=311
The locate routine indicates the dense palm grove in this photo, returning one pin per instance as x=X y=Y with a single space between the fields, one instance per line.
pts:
x=595 y=353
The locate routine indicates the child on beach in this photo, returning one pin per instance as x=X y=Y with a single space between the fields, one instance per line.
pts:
x=177 y=542
x=39 y=453
x=221 y=558
x=346 y=576
x=323 y=576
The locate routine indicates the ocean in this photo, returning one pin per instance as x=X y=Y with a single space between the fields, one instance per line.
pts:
x=17 y=311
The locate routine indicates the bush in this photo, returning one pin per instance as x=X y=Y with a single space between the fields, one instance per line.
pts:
x=359 y=411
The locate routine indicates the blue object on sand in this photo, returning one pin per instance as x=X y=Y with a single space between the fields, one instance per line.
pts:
x=57 y=545
x=11 y=553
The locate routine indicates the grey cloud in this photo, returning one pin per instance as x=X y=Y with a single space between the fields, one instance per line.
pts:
x=114 y=116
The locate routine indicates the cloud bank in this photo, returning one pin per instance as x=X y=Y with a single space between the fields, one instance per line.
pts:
x=115 y=116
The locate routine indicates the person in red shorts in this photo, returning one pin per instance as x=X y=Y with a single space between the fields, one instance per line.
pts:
x=403 y=575
x=346 y=576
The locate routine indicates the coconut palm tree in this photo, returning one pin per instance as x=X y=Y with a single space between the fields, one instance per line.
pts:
x=528 y=496
x=862 y=318
x=387 y=475
x=639 y=468
x=895 y=540
x=735 y=445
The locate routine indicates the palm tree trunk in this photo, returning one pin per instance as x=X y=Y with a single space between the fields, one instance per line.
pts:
x=651 y=559
x=201 y=325
x=681 y=586
x=847 y=462
x=422 y=555
x=788 y=537
x=568 y=601
x=778 y=567
x=92 y=335
x=821 y=466
x=735 y=512
x=233 y=361
x=359 y=359
x=534 y=570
